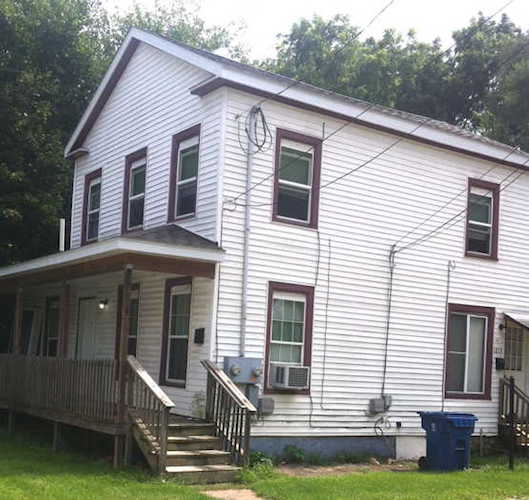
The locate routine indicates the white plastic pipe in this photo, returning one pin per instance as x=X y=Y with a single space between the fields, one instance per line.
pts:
x=62 y=234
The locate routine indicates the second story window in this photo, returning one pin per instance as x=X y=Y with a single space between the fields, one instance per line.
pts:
x=297 y=178
x=134 y=191
x=482 y=219
x=91 y=207
x=184 y=174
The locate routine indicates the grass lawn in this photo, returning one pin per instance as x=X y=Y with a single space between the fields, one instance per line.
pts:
x=489 y=480
x=32 y=471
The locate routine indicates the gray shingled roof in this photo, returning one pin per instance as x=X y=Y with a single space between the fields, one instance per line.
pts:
x=444 y=126
x=175 y=235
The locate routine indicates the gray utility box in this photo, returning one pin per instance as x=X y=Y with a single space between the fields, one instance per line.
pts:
x=243 y=370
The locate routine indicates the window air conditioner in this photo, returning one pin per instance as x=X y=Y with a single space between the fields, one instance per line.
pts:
x=289 y=376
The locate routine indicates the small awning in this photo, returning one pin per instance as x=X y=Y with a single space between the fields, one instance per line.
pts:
x=170 y=249
x=521 y=319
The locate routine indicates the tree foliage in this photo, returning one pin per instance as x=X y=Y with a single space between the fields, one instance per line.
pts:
x=478 y=83
x=53 y=53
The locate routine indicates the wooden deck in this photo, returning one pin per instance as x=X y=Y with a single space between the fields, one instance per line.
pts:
x=74 y=392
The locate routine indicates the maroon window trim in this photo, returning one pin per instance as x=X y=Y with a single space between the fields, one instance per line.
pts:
x=87 y=180
x=490 y=312
x=316 y=143
x=129 y=160
x=170 y=283
x=308 y=291
x=134 y=286
x=495 y=189
x=193 y=131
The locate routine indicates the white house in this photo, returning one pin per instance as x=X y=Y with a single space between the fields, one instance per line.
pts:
x=234 y=255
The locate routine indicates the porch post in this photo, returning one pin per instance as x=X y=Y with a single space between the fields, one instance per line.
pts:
x=119 y=442
x=19 y=310
x=64 y=321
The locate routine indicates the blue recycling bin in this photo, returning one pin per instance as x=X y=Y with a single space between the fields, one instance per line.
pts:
x=448 y=437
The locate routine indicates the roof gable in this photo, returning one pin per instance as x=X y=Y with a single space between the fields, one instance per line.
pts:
x=276 y=87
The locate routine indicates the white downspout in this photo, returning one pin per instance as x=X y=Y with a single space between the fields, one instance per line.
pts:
x=246 y=236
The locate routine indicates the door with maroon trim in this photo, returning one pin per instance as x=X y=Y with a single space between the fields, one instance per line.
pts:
x=516 y=352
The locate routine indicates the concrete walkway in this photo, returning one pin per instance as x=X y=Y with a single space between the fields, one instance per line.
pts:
x=232 y=494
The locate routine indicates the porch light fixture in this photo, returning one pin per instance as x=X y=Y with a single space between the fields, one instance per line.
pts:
x=103 y=304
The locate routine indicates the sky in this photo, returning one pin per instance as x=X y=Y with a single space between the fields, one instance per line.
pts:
x=265 y=19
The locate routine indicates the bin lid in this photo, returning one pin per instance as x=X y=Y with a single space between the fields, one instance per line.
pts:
x=455 y=418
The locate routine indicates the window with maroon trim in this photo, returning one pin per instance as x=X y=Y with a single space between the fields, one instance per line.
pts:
x=184 y=174
x=134 y=320
x=50 y=340
x=482 y=219
x=176 y=325
x=91 y=207
x=289 y=329
x=469 y=352
x=134 y=190
x=297 y=178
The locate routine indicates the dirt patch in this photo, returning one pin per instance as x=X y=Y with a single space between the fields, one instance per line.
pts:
x=340 y=469
x=232 y=494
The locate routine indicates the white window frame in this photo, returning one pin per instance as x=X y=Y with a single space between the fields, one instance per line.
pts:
x=142 y=163
x=482 y=193
x=303 y=149
x=296 y=297
x=177 y=290
x=188 y=143
x=90 y=211
x=466 y=353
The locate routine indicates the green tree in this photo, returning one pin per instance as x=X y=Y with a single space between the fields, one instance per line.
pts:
x=53 y=54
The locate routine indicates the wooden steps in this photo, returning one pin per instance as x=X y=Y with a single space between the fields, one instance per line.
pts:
x=194 y=454
x=204 y=474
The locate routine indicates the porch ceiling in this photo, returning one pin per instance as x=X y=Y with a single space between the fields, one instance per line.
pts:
x=193 y=256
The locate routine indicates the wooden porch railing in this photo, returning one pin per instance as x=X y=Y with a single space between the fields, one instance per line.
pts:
x=231 y=412
x=513 y=413
x=74 y=389
x=149 y=409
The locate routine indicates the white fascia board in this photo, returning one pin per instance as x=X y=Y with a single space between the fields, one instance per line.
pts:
x=107 y=248
x=337 y=104
x=158 y=42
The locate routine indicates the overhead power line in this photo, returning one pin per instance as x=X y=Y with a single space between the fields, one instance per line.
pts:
x=234 y=200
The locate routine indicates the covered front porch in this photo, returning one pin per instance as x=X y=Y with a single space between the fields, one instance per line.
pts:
x=112 y=334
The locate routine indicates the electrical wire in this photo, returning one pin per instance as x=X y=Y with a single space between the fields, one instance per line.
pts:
x=351 y=120
x=454 y=219
x=449 y=202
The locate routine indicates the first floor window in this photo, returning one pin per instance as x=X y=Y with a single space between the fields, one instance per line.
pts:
x=468 y=347
x=50 y=342
x=482 y=218
x=297 y=178
x=513 y=346
x=290 y=324
x=176 y=335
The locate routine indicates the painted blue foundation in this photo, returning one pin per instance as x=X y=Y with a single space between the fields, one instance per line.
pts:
x=327 y=447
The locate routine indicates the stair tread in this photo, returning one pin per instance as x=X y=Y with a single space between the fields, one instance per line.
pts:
x=193 y=425
x=196 y=453
x=201 y=468
x=184 y=439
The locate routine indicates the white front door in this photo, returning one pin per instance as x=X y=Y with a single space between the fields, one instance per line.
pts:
x=516 y=354
x=87 y=331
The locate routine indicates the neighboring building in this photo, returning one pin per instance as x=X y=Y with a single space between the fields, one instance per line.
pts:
x=159 y=156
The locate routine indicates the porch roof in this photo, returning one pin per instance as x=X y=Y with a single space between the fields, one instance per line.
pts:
x=171 y=249
x=520 y=318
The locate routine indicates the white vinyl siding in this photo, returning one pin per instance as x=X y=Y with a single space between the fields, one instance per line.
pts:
x=360 y=217
x=151 y=103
